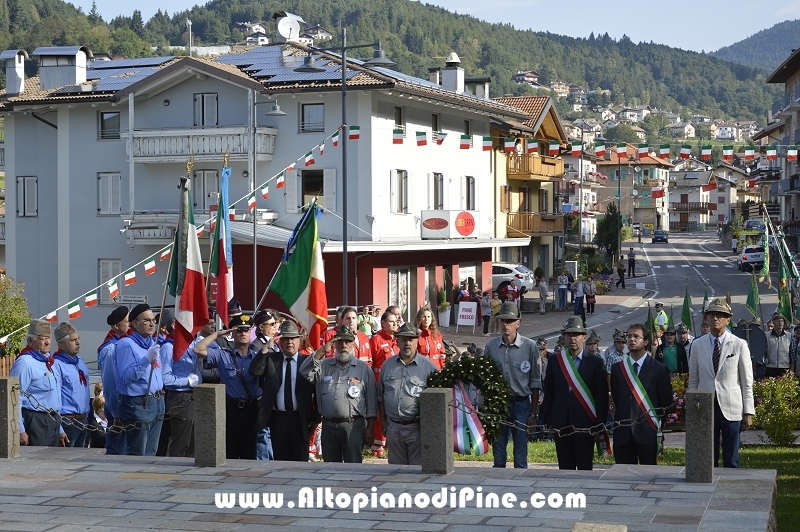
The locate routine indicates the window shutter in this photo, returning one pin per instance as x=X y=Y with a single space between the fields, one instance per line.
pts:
x=463 y=204
x=210 y=188
x=329 y=188
x=31 y=197
x=20 y=196
x=392 y=190
x=408 y=194
x=431 y=191
x=503 y=202
x=198 y=113
x=103 y=194
x=210 y=109
x=116 y=194
x=291 y=192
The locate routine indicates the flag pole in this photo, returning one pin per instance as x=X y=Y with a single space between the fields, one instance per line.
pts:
x=691 y=310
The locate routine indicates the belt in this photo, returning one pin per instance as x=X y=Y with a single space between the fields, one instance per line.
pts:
x=409 y=422
x=519 y=398
x=241 y=403
x=75 y=416
x=339 y=419
x=159 y=393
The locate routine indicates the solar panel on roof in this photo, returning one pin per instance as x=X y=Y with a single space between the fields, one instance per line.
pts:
x=128 y=63
x=118 y=72
x=307 y=76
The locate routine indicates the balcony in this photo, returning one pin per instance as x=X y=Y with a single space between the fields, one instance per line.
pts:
x=794 y=100
x=534 y=167
x=693 y=206
x=524 y=224
x=780 y=109
x=176 y=145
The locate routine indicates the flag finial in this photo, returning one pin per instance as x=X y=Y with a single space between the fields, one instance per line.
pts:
x=227 y=156
x=189 y=165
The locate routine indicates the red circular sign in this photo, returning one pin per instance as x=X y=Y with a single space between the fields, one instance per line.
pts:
x=434 y=223
x=465 y=223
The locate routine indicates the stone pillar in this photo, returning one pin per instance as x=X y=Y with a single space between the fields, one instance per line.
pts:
x=209 y=425
x=699 y=436
x=9 y=417
x=436 y=430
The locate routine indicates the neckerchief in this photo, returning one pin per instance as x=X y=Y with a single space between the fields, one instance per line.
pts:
x=48 y=360
x=142 y=342
x=111 y=338
x=66 y=359
x=575 y=382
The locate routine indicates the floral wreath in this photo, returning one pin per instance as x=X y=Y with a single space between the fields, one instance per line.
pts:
x=484 y=375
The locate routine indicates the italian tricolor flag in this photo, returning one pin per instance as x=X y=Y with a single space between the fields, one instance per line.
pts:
x=440 y=136
x=130 y=277
x=251 y=201
x=51 y=317
x=466 y=140
x=622 y=151
x=749 y=153
x=281 y=180
x=663 y=151
x=355 y=133
x=791 y=153
x=422 y=138
x=113 y=288
x=309 y=158
x=772 y=153
x=166 y=253
x=90 y=299
x=554 y=147
x=727 y=153
x=508 y=144
x=577 y=149
x=686 y=151
x=643 y=150
x=289 y=168
x=705 y=153
x=335 y=138
x=487 y=143
x=150 y=265
x=657 y=192
x=300 y=281
x=533 y=146
x=397 y=136
x=265 y=190
x=74 y=310
x=186 y=281
x=600 y=150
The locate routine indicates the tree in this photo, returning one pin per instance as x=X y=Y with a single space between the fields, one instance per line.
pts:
x=608 y=227
x=13 y=315
x=94 y=16
x=622 y=133
x=137 y=25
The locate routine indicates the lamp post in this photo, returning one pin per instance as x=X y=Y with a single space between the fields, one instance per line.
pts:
x=189 y=25
x=580 y=203
x=309 y=65
x=619 y=203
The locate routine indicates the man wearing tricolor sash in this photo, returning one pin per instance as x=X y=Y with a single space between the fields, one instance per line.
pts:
x=575 y=397
x=641 y=390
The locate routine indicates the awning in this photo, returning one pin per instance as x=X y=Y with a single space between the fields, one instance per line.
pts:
x=274 y=236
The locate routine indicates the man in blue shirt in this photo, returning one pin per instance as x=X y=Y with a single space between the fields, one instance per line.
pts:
x=180 y=378
x=139 y=383
x=40 y=382
x=242 y=389
x=75 y=394
x=106 y=363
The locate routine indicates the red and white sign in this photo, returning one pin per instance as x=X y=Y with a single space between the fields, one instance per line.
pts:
x=467 y=314
x=449 y=224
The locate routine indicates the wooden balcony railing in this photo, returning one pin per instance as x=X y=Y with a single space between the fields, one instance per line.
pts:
x=536 y=167
x=693 y=206
x=521 y=224
x=171 y=145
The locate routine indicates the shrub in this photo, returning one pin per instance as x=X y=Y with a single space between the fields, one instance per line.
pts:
x=678 y=414
x=778 y=408
x=538 y=273
x=13 y=315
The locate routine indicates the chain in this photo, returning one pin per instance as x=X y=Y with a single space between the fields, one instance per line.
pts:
x=138 y=425
x=569 y=430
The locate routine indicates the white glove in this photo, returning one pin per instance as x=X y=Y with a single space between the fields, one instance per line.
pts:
x=152 y=352
x=194 y=380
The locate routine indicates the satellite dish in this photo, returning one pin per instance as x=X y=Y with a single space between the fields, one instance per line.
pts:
x=635 y=192
x=288 y=28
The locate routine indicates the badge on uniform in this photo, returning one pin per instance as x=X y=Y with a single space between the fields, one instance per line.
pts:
x=354 y=391
x=416 y=390
x=525 y=367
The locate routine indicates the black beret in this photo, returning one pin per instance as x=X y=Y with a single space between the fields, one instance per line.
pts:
x=138 y=309
x=117 y=315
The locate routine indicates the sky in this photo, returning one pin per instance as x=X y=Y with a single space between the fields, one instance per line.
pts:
x=689 y=24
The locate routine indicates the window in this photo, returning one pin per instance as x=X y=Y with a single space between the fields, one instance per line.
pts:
x=399 y=191
x=312 y=186
x=302 y=186
x=646 y=173
x=400 y=290
x=109 y=126
x=398 y=120
x=27 y=196
x=313 y=117
x=721 y=199
x=505 y=198
x=108 y=193
x=205 y=189
x=467 y=127
x=435 y=125
x=205 y=109
x=543 y=200
x=107 y=269
x=438 y=192
x=469 y=193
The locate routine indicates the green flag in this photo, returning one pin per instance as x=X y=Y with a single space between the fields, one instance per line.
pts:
x=705 y=300
x=670 y=321
x=686 y=312
x=784 y=299
x=752 y=297
x=650 y=325
x=765 y=269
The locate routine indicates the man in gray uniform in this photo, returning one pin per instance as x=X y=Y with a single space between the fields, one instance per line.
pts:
x=346 y=398
x=403 y=377
x=517 y=358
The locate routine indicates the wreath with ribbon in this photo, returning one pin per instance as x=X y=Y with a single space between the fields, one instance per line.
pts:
x=485 y=376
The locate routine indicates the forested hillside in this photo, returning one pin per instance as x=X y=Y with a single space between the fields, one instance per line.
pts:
x=766 y=49
x=418 y=36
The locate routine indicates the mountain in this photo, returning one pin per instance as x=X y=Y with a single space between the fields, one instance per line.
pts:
x=418 y=36
x=766 y=49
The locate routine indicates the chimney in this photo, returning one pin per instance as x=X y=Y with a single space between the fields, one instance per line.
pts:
x=15 y=70
x=60 y=66
x=478 y=86
x=434 y=75
x=453 y=74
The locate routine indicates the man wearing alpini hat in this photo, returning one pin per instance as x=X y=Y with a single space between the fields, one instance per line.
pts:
x=576 y=402
x=721 y=362
x=40 y=382
x=75 y=392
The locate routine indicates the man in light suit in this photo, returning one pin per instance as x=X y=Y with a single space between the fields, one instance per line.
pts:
x=721 y=362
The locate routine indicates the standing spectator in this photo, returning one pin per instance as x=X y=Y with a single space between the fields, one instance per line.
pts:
x=580 y=290
x=376 y=319
x=734 y=245
x=794 y=350
x=430 y=343
x=98 y=424
x=486 y=312
x=398 y=313
x=106 y=362
x=365 y=321
x=544 y=293
x=495 y=326
x=631 y=263
x=778 y=341
x=383 y=346
x=684 y=338
x=510 y=292
x=361 y=348
x=672 y=354
x=75 y=394
x=591 y=295
x=563 y=281
x=620 y=272
x=571 y=281
x=720 y=362
x=592 y=345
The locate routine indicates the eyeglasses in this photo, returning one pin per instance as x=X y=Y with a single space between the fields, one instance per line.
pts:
x=147 y=320
x=634 y=337
x=270 y=323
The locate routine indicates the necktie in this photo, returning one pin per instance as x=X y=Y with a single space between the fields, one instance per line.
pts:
x=636 y=367
x=717 y=354
x=287 y=386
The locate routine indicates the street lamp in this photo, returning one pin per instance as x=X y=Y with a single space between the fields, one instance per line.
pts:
x=189 y=26
x=309 y=65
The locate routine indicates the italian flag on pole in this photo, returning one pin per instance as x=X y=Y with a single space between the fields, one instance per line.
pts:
x=221 y=266
x=397 y=136
x=186 y=281
x=705 y=152
x=554 y=147
x=508 y=144
x=686 y=151
x=74 y=310
x=300 y=281
x=487 y=143
x=90 y=299
x=791 y=153
x=663 y=151
x=727 y=153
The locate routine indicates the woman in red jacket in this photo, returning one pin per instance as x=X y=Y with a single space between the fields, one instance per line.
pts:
x=430 y=343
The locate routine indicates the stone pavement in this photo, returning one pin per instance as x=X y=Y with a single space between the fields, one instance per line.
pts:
x=63 y=490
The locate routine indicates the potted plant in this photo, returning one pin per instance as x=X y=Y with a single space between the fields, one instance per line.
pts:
x=444 y=308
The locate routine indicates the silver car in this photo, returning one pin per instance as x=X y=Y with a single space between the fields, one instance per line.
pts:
x=504 y=272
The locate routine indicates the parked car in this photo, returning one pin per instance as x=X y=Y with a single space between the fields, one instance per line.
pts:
x=659 y=235
x=757 y=225
x=504 y=272
x=751 y=257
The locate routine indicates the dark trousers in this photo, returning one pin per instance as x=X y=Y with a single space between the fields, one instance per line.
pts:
x=41 y=428
x=575 y=452
x=286 y=433
x=179 y=425
x=631 y=452
x=631 y=268
x=115 y=441
x=486 y=320
x=342 y=442
x=147 y=413
x=240 y=432
x=775 y=372
x=75 y=429
x=621 y=280
x=728 y=432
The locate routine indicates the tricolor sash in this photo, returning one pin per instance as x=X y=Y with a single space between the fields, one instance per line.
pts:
x=469 y=436
x=575 y=381
x=640 y=395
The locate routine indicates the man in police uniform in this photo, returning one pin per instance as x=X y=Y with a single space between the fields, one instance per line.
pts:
x=661 y=318
x=75 y=393
x=402 y=379
x=242 y=389
x=39 y=419
x=517 y=358
x=346 y=397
